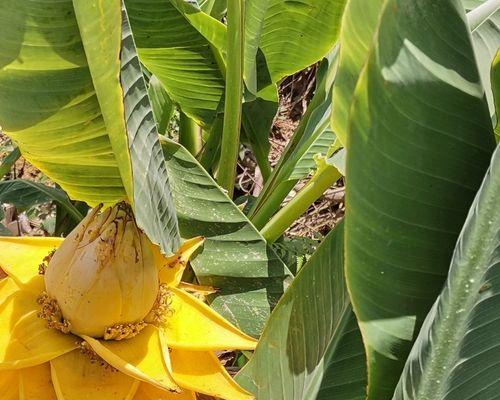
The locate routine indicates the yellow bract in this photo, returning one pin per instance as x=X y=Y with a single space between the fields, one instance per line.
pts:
x=25 y=340
x=143 y=360
x=36 y=383
x=206 y=375
x=76 y=377
x=172 y=361
x=212 y=332
x=9 y=382
x=171 y=268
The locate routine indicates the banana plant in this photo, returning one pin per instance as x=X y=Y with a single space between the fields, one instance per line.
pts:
x=399 y=300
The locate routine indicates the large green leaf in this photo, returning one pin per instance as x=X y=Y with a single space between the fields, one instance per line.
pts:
x=73 y=98
x=419 y=142
x=283 y=37
x=235 y=257
x=154 y=205
x=48 y=103
x=485 y=27
x=457 y=352
x=311 y=347
x=180 y=45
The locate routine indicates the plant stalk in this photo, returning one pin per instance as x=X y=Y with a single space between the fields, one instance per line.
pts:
x=189 y=134
x=271 y=203
x=283 y=219
x=234 y=91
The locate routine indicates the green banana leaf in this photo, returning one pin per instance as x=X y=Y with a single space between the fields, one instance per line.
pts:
x=419 y=142
x=24 y=194
x=235 y=258
x=73 y=98
x=181 y=46
x=283 y=37
x=457 y=352
x=311 y=347
x=485 y=28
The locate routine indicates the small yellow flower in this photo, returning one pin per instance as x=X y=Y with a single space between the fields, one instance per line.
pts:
x=96 y=327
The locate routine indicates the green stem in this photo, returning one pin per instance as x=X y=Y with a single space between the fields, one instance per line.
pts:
x=271 y=203
x=189 y=134
x=234 y=91
x=322 y=180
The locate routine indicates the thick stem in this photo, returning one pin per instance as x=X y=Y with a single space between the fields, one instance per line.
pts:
x=189 y=134
x=324 y=178
x=234 y=90
x=272 y=203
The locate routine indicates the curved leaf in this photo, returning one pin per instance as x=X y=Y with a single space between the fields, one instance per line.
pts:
x=283 y=37
x=485 y=26
x=419 y=142
x=181 y=57
x=73 y=98
x=48 y=103
x=163 y=108
x=457 y=352
x=235 y=258
x=311 y=347
x=155 y=209
x=25 y=194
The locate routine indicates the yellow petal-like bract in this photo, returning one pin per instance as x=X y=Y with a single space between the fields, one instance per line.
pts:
x=212 y=332
x=36 y=383
x=140 y=357
x=76 y=377
x=110 y=320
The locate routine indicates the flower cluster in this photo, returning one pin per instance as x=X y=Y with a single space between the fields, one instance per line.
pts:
x=108 y=318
